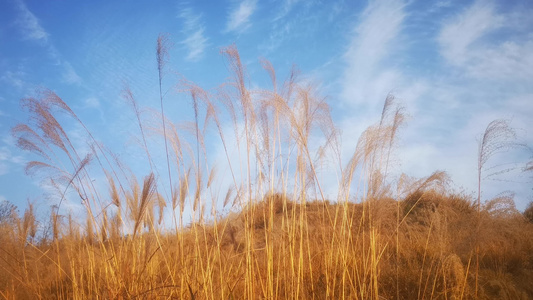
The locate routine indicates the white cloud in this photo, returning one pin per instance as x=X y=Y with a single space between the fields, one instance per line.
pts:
x=78 y=137
x=14 y=79
x=372 y=42
x=70 y=201
x=278 y=35
x=29 y=24
x=441 y=135
x=238 y=19
x=92 y=103
x=31 y=29
x=4 y=153
x=3 y=169
x=367 y=80
x=6 y=158
x=510 y=61
x=444 y=3
x=468 y=41
x=459 y=33
x=286 y=8
x=195 y=41
x=69 y=74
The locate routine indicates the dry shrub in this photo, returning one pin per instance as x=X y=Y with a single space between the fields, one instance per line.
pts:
x=528 y=212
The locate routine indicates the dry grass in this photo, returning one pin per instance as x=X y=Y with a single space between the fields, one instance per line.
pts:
x=338 y=260
x=380 y=239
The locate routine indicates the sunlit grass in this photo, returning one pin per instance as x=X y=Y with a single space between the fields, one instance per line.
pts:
x=279 y=237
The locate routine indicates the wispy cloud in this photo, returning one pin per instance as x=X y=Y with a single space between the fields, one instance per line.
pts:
x=511 y=60
x=368 y=77
x=31 y=29
x=469 y=41
x=69 y=74
x=7 y=158
x=286 y=8
x=372 y=42
x=278 y=35
x=3 y=114
x=71 y=201
x=3 y=168
x=459 y=33
x=94 y=103
x=442 y=135
x=195 y=41
x=15 y=79
x=482 y=78
x=293 y=20
x=239 y=17
x=29 y=24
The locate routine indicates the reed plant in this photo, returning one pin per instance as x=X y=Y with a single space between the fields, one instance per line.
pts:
x=272 y=233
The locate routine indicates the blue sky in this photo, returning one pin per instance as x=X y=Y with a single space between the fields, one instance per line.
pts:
x=454 y=65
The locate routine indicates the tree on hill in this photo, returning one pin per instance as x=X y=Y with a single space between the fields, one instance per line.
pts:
x=7 y=210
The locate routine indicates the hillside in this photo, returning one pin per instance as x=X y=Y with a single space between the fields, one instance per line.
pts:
x=423 y=247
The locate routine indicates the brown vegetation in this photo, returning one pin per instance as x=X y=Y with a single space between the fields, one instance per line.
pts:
x=317 y=250
x=281 y=239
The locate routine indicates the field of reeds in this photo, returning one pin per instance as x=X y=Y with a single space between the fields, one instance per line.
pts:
x=272 y=233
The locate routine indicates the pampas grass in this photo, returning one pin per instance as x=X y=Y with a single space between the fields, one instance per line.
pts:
x=271 y=233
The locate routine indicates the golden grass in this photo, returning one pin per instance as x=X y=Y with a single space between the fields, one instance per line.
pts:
x=279 y=237
x=298 y=251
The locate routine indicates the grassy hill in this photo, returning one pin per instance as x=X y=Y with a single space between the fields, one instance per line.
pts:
x=427 y=246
